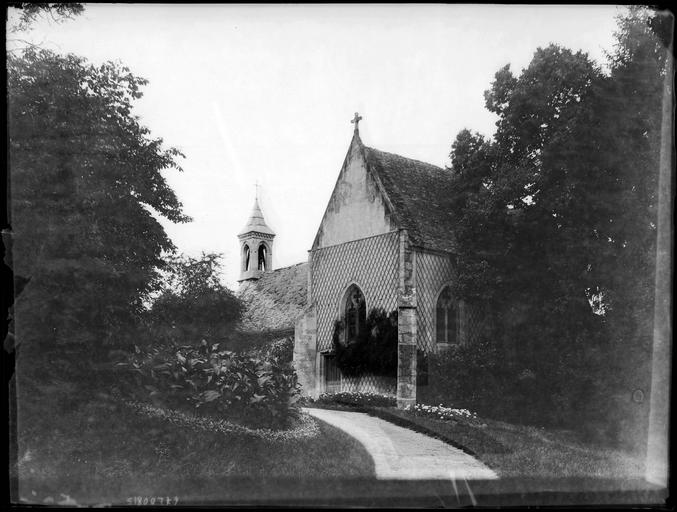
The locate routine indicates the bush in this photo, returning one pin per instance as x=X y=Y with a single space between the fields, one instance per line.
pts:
x=256 y=391
x=470 y=376
x=281 y=350
x=375 y=350
x=564 y=391
x=439 y=412
x=357 y=399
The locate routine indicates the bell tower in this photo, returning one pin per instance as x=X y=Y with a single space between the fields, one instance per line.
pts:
x=256 y=246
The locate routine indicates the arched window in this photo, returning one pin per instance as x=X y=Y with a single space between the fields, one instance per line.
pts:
x=354 y=313
x=246 y=257
x=262 y=257
x=447 y=317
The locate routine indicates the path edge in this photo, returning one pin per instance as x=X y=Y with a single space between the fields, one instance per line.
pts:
x=405 y=423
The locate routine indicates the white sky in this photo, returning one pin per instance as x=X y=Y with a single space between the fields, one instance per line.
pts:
x=267 y=93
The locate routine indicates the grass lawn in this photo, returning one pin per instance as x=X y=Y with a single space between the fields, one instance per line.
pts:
x=101 y=451
x=524 y=451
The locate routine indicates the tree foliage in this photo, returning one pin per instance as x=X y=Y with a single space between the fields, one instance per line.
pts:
x=193 y=304
x=86 y=183
x=559 y=209
x=29 y=12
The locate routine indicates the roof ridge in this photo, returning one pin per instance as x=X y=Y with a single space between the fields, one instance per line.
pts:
x=290 y=266
x=404 y=157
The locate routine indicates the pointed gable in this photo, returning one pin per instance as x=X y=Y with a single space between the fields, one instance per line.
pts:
x=377 y=192
x=357 y=207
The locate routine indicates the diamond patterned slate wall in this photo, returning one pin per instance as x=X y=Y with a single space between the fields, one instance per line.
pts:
x=432 y=272
x=372 y=263
x=370 y=384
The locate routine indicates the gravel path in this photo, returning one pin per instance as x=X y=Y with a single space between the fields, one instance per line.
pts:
x=400 y=453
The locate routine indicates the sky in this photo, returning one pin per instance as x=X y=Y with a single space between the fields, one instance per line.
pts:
x=266 y=94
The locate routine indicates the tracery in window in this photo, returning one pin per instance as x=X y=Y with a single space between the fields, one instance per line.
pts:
x=447 y=317
x=355 y=313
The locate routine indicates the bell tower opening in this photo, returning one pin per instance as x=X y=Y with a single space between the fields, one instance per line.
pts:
x=263 y=255
x=256 y=242
x=246 y=256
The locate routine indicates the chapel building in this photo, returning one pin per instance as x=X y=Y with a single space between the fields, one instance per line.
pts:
x=385 y=241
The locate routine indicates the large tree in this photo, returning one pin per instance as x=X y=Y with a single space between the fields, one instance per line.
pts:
x=559 y=209
x=86 y=182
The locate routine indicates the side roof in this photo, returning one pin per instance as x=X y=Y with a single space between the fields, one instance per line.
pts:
x=276 y=299
x=417 y=192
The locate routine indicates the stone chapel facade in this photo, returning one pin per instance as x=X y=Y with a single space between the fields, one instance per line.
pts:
x=384 y=241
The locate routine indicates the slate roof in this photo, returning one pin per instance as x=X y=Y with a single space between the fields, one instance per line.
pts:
x=256 y=222
x=417 y=192
x=276 y=299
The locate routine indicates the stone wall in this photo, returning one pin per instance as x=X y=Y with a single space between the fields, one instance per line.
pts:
x=305 y=353
x=406 y=324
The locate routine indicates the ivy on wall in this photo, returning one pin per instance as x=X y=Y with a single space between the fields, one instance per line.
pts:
x=374 y=350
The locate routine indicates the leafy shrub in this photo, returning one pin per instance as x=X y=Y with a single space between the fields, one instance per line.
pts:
x=209 y=380
x=357 y=399
x=374 y=351
x=281 y=350
x=470 y=376
x=562 y=391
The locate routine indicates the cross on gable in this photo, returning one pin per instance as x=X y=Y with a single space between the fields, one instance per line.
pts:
x=356 y=120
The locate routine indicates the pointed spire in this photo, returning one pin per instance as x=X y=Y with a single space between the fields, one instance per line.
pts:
x=256 y=221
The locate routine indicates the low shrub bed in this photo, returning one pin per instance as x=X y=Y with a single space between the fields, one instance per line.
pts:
x=254 y=390
x=303 y=426
x=439 y=412
x=354 y=400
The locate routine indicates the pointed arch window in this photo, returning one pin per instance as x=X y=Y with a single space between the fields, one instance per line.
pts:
x=354 y=313
x=263 y=254
x=246 y=257
x=447 y=321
